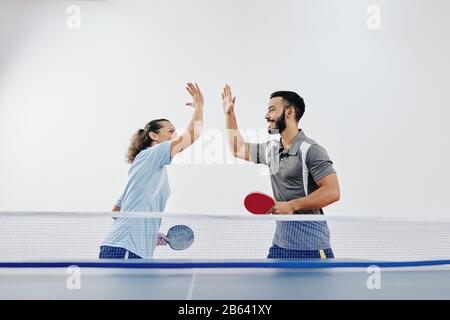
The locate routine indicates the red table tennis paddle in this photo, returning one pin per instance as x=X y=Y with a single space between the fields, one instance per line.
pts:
x=258 y=203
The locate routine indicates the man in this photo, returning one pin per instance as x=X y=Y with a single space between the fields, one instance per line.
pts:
x=302 y=175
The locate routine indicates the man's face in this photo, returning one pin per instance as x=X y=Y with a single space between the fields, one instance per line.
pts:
x=276 y=116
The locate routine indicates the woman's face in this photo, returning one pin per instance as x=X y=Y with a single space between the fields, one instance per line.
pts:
x=166 y=133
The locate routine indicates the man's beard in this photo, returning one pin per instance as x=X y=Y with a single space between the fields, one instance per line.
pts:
x=280 y=125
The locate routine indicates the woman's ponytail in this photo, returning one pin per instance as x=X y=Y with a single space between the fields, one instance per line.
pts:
x=141 y=139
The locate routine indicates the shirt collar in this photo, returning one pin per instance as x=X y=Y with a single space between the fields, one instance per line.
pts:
x=295 y=146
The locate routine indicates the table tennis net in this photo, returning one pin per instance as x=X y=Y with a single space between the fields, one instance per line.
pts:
x=47 y=237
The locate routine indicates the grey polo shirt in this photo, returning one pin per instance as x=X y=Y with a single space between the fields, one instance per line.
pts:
x=288 y=176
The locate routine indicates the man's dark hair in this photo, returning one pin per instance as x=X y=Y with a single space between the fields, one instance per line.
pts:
x=292 y=99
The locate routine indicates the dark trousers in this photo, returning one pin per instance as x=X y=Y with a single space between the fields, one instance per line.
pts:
x=276 y=252
x=107 y=252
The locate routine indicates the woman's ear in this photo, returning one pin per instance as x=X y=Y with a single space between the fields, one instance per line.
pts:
x=153 y=136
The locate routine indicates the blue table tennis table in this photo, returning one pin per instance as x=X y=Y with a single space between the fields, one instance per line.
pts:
x=290 y=280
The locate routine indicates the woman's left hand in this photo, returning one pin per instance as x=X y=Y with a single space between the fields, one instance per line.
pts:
x=162 y=240
x=197 y=96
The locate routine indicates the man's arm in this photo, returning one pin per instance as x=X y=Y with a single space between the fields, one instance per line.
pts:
x=327 y=193
x=236 y=142
x=194 y=128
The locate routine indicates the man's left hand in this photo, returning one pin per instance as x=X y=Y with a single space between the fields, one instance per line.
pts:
x=282 y=208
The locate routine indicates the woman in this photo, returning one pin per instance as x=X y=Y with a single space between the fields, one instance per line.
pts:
x=147 y=188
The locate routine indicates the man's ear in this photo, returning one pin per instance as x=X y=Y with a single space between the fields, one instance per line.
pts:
x=153 y=136
x=290 y=111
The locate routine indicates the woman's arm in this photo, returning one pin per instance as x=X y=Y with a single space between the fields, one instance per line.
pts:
x=194 y=129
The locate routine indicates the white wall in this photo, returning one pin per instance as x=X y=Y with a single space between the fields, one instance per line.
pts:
x=376 y=99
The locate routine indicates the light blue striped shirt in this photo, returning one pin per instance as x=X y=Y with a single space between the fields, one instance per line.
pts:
x=147 y=189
